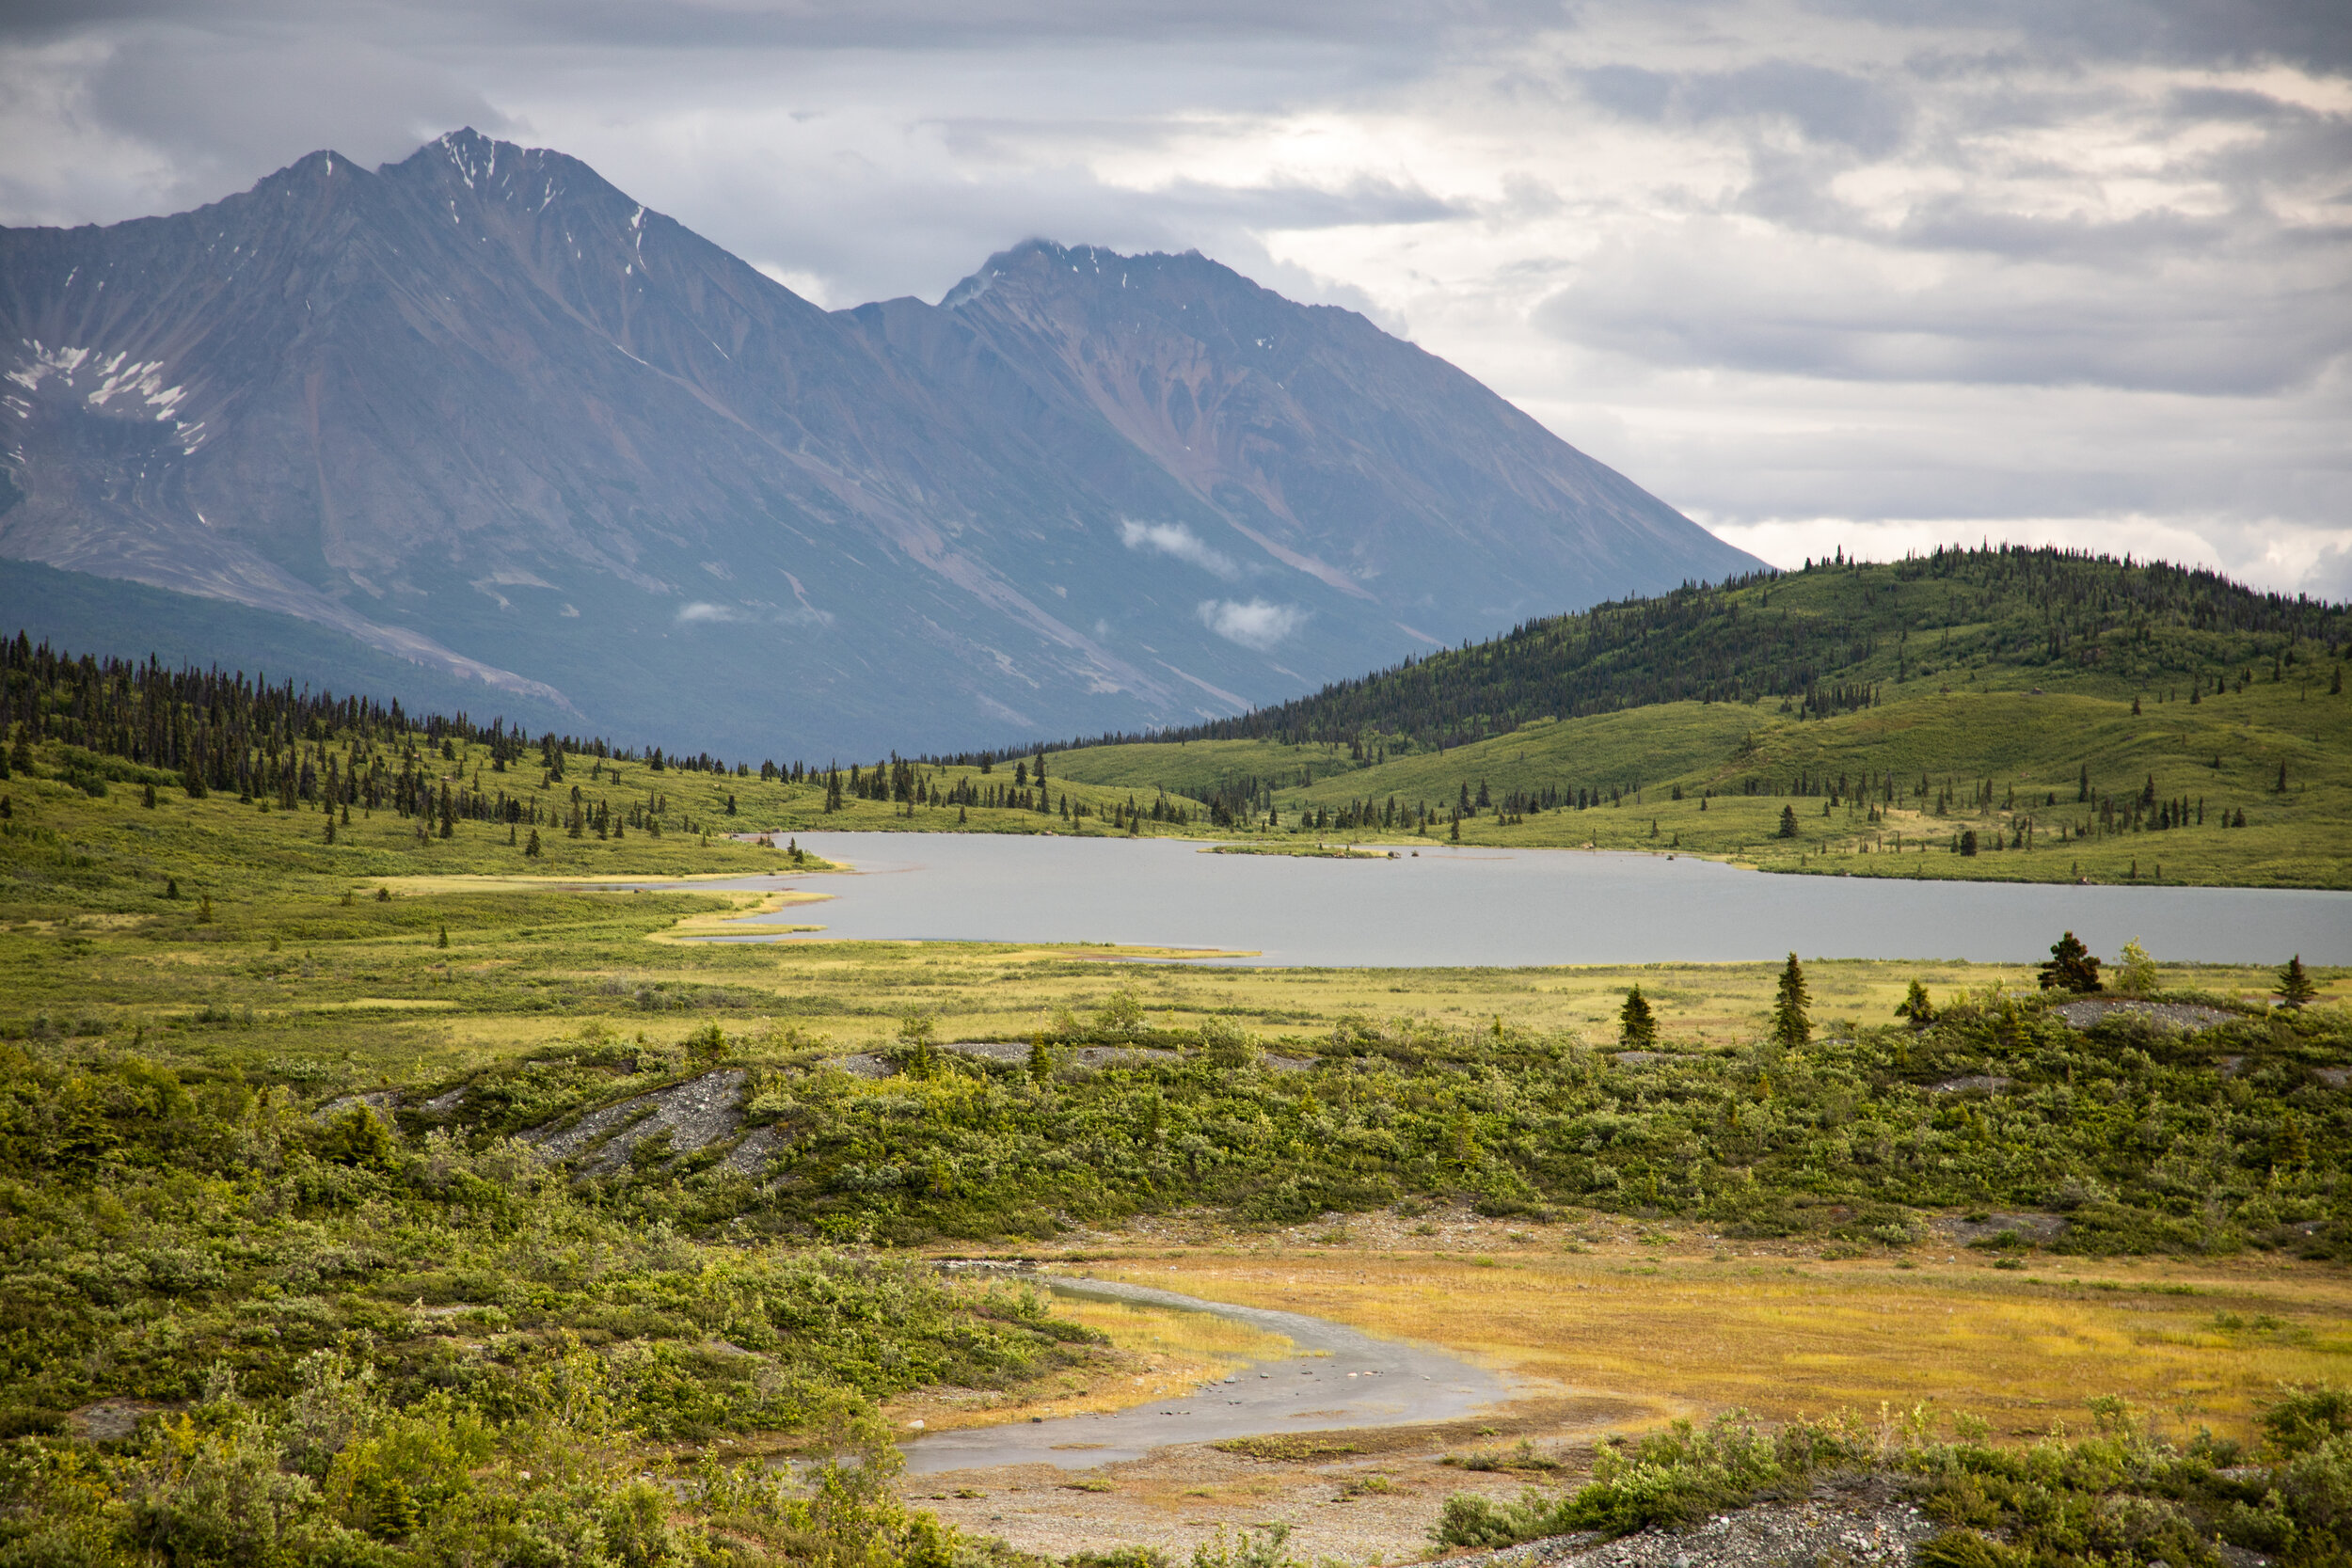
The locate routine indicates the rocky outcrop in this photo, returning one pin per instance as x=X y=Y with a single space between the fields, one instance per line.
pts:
x=689 y=1115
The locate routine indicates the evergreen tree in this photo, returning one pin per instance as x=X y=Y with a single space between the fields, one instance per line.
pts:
x=1040 y=1059
x=919 y=1044
x=1788 y=822
x=1915 y=1006
x=2070 y=967
x=1636 y=1025
x=2294 y=987
x=532 y=850
x=442 y=940
x=1791 y=1026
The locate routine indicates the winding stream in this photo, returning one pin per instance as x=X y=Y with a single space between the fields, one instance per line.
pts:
x=1337 y=1376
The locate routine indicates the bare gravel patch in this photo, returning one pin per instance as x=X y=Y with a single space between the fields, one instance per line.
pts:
x=1868 y=1525
x=378 y=1102
x=2181 y=1016
x=698 y=1111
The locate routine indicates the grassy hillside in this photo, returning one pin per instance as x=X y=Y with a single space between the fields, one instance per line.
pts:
x=1830 y=637
x=2079 y=719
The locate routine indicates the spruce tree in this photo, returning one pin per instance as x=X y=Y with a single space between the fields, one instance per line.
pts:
x=2294 y=987
x=1788 y=822
x=2070 y=967
x=1916 y=1008
x=1790 y=1026
x=1636 y=1025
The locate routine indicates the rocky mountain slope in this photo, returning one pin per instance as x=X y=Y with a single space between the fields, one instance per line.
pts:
x=489 y=417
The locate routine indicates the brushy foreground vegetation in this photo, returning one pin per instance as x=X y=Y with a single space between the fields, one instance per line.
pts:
x=366 y=1350
x=2119 y=1496
x=2142 y=1139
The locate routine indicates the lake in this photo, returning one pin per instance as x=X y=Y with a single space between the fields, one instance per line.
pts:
x=1477 y=906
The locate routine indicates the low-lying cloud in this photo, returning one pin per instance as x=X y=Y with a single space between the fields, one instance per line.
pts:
x=1176 y=540
x=1253 y=623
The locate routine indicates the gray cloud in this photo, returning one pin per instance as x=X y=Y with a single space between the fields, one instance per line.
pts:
x=235 y=105
x=1826 y=105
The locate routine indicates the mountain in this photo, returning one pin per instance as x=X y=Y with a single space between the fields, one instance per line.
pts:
x=480 y=415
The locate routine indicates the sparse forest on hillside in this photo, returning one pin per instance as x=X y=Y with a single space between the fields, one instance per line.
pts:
x=1832 y=637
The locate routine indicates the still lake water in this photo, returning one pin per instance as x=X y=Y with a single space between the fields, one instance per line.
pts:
x=1456 y=907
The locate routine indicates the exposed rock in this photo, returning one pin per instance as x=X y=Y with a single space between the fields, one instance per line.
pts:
x=380 y=1101
x=1983 y=1083
x=864 y=1064
x=752 y=1155
x=1854 y=1529
x=2181 y=1016
x=698 y=1111
x=2033 y=1228
x=990 y=1051
x=442 y=1104
x=110 y=1421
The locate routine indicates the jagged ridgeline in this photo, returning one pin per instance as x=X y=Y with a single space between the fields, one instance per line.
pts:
x=1831 y=638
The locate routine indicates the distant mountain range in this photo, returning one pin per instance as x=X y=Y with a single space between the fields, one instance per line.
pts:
x=479 y=426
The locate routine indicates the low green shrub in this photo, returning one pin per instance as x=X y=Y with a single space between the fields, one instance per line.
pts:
x=2118 y=1496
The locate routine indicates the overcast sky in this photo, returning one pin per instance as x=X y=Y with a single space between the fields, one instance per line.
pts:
x=1874 y=275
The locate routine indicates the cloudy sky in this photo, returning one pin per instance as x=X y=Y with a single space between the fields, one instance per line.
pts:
x=1875 y=276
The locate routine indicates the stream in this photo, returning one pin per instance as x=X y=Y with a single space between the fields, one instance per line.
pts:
x=1336 y=1376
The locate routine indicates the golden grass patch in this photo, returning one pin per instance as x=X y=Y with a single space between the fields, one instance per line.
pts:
x=1784 y=1339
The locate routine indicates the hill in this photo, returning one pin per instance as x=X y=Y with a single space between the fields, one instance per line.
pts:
x=1919 y=718
x=480 y=414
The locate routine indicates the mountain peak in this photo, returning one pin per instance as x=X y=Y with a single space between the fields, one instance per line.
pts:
x=483 y=410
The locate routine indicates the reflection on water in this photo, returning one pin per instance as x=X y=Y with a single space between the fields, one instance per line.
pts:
x=1505 y=907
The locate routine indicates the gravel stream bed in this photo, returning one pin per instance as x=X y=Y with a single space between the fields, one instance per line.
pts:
x=1856 y=1530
